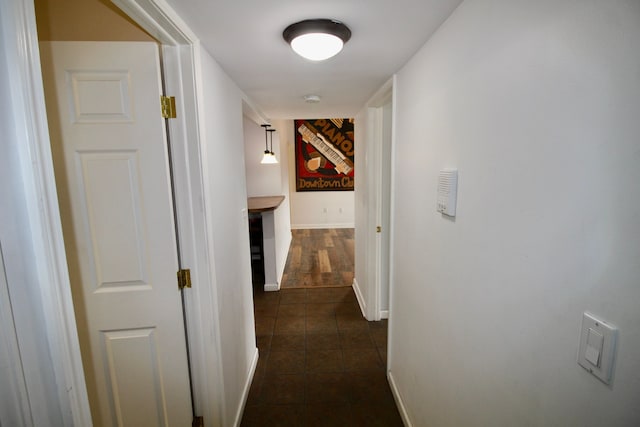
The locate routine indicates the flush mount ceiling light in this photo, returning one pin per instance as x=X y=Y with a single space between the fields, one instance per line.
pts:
x=317 y=39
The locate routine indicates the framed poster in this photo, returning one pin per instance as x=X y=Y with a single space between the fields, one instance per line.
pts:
x=324 y=154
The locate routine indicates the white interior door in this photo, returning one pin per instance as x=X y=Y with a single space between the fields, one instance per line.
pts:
x=112 y=171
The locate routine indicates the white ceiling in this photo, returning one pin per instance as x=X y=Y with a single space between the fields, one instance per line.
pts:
x=245 y=37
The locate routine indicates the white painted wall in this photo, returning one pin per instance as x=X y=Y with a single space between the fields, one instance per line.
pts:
x=316 y=209
x=262 y=180
x=226 y=204
x=282 y=215
x=269 y=180
x=537 y=105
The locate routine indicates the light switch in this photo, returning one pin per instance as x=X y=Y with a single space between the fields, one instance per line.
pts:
x=594 y=347
x=597 y=347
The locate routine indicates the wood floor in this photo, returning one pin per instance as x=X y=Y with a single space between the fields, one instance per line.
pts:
x=320 y=258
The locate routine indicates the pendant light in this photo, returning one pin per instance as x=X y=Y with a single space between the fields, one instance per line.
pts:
x=268 y=158
x=317 y=39
x=273 y=155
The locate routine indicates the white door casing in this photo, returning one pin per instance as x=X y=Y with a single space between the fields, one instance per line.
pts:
x=383 y=208
x=380 y=119
x=112 y=171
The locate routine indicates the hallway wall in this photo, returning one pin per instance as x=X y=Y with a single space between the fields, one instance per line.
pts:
x=226 y=204
x=537 y=105
x=269 y=180
x=315 y=209
x=282 y=215
x=85 y=20
x=364 y=206
x=262 y=180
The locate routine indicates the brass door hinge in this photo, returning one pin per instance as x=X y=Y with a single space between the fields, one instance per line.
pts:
x=198 y=422
x=168 y=104
x=378 y=229
x=184 y=278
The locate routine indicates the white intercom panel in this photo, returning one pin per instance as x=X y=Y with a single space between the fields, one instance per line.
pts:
x=447 y=191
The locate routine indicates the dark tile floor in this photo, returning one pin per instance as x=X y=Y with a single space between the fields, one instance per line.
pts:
x=321 y=363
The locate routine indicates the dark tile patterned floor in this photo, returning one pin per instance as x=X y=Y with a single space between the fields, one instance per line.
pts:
x=321 y=363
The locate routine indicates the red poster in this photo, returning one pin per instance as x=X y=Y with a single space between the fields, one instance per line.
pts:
x=324 y=154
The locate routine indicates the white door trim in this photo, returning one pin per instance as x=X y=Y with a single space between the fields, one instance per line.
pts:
x=32 y=140
x=374 y=251
x=182 y=77
x=392 y=174
x=375 y=121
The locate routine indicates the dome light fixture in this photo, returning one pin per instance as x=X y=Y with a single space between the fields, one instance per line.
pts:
x=317 y=39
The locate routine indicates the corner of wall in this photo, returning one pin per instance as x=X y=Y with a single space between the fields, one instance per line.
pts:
x=283 y=260
x=399 y=402
x=271 y=287
x=361 y=300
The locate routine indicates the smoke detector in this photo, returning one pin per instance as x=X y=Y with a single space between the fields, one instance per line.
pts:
x=311 y=99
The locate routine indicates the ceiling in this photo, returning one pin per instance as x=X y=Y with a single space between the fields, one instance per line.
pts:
x=245 y=38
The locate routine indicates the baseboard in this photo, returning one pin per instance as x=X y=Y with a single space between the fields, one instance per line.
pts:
x=384 y=314
x=245 y=390
x=399 y=403
x=271 y=287
x=317 y=226
x=361 y=302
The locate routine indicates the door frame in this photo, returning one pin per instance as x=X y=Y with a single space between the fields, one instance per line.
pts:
x=20 y=45
x=374 y=252
x=183 y=79
x=181 y=62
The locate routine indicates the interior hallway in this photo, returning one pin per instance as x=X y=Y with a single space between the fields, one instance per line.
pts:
x=321 y=363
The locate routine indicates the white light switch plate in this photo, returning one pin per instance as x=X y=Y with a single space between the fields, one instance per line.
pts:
x=597 y=347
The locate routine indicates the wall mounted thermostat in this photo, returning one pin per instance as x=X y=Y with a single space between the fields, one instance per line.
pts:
x=447 y=191
x=597 y=347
